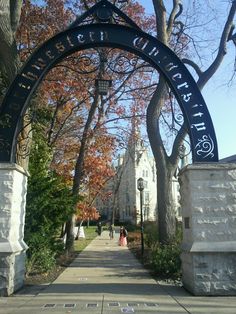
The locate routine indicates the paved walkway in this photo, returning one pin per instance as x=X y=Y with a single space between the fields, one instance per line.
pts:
x=106 y=278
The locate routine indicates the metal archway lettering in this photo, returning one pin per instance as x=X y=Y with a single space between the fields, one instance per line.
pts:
x=196 y=114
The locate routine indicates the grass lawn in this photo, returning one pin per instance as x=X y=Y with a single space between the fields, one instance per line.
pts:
x=63 y=261
x=81 y=243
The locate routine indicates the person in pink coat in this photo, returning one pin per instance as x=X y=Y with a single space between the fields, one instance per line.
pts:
x=123 y=236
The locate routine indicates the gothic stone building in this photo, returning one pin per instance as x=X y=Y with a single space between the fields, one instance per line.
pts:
x=123 y=204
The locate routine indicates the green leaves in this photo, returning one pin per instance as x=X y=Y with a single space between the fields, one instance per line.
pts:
x=166 y=260
x=49 y=203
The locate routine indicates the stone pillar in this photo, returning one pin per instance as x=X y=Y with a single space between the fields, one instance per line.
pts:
x=208 y=199
x=13 y=188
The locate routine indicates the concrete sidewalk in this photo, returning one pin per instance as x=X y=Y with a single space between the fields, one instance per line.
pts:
x=106 y=278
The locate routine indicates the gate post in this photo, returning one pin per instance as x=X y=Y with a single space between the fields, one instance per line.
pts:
x=13 y=188
x=208 y=199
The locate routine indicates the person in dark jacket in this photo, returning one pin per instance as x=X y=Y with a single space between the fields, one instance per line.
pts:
x=99 y=228
x=111 y=231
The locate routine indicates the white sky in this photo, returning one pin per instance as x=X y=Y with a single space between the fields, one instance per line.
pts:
x=219 y=96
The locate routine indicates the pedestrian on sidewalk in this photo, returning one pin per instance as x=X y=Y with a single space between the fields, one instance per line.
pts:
x=123 y=236
x=99 y=228
x=111 y=231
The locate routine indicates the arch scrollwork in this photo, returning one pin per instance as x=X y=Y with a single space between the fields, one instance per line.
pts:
x=130 y=38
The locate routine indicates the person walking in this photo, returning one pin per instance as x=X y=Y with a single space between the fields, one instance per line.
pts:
x=111 y=231
x=99 y=228
x=123 y=236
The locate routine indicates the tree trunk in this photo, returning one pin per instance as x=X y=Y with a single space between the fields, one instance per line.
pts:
x=166 y=209
x=166 y=165
x=10 y=11
x=9 y=58
x=70 y=234
x=165 y=169
x=79 y=173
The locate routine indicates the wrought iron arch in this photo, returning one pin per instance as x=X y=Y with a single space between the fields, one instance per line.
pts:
x=107 y=34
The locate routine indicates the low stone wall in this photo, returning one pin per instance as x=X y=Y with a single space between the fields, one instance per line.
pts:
x=13 y=188
x=208 y=200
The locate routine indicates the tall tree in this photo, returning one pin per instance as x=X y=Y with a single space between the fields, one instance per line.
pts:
x=79 y=112
x=169 y=28
x=10 y=11
x=49 y=202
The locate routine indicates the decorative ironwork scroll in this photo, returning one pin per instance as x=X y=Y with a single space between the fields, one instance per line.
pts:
x=105 y=34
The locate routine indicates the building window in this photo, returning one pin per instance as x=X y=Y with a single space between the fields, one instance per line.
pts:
x=145 y=173
x=153 y=174
x=146 y=197
x=146 y=212
x=128 y=212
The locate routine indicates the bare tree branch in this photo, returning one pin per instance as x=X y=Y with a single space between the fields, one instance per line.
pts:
x=160 y=12
x=193 y=65
x=205 y=76
x=176 y=11
x=174 y=158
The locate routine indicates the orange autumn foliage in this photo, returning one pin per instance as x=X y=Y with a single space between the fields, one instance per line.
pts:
x=68 y=92
x=85 y=212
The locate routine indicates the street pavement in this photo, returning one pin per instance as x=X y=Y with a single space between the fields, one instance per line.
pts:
x=106 y=278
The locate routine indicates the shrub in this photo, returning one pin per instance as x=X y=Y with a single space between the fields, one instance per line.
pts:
x=49 y=204
x=150 y=234
x=41 y=261
x=40 y=256
x=165 y=260
x=134 y=237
